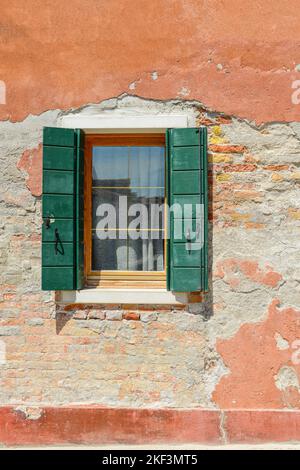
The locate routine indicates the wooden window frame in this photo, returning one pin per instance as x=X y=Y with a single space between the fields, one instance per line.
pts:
x=117 y=279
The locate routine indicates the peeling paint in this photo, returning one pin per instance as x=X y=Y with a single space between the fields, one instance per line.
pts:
x=230 y=270
x=183 y=92
x=281 y=343
x=31 y=413
x=130 y=37
x=252 y=358
x=31 y=162
x=132 y=86
x=287 y=377
x=287 y=382
x=227 y=350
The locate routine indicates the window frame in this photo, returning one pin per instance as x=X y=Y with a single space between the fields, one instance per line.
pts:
x=118 y=279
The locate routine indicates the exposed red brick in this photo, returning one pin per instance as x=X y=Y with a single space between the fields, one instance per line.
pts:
x=276 y=167
x=168 y=308
x=131 y=316
x=224 y=120
x=254 y=225
x=237 y=168
x=9 y=296
x=177 y=307
x=35 y=237
x=204 y=121
x=248 y=195
x=70 y=307
x=232 y=168
x=250 y=159
x=227 y=148
x=194 y=297
x=31 y=162
x=142 y=308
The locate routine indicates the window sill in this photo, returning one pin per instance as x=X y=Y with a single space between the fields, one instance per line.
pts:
x=124 y=296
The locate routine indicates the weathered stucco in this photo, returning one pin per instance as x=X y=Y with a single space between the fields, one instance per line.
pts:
x=238 y=57
x=231 y=66
x=236 y=349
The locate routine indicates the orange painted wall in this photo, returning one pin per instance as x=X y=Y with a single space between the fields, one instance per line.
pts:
x=235 y=56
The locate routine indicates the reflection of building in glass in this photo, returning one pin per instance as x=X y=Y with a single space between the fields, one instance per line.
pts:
x=131 y=253
x=109 y=191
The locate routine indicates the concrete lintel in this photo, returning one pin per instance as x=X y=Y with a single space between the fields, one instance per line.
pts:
x=124 y=123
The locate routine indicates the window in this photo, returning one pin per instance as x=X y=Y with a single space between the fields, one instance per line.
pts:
x=125 y=197
x=90 y=239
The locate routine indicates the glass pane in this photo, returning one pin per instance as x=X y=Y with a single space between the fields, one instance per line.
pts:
x=107 y=205
x=146 y=255
x=109 y=254
x=110 y=166
x=128 y=193
x=146 y=171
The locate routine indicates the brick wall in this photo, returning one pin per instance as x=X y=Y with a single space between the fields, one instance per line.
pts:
x=236 y=349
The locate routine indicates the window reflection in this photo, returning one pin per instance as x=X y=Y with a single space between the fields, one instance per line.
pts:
x=137 y=172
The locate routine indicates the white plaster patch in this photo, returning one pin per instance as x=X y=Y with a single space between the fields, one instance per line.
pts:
x=2 y=92
x=287 y=377
x=2 y=353
x=184 y=92
x=281 y=343
x=132 y=86
x=296 y=353
x=154 y=75
x=31 y=413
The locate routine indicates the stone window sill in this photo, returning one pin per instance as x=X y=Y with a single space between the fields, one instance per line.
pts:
x=128 y=296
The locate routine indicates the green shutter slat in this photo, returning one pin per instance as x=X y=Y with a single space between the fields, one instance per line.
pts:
x=181 y=227
x=58 y=278
x=184 y=182
x=185 y=279
x=65 y=229
x=62 y=209
x=58 y=182
x=58 y=206
x=184 y=137
x=183 y=201
x=182 y=256
x=59 y=137
x=58 y=158
x=188 y=258
x=61 y=255
x=185 y=158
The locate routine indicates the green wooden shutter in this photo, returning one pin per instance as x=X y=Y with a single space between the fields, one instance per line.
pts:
x=62 y=209
x=187 y=254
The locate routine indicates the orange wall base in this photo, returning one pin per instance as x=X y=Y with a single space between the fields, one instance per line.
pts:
x=97 y=425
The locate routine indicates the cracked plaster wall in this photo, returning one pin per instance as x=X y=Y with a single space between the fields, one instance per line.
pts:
x=240 y=57
x=236 y=348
